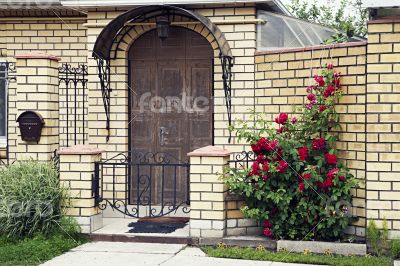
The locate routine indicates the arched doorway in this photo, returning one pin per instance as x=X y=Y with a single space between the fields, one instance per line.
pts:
x=170 y=106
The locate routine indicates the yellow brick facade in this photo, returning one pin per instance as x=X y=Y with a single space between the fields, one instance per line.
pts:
x=382 y=120
x=269 y=83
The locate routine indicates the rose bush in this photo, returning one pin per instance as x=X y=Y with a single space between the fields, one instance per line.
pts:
x=296 y=187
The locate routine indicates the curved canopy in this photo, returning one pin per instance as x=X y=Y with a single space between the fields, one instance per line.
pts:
x=111 y=33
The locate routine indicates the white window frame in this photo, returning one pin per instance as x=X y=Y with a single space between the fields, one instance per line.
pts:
x=3 y=139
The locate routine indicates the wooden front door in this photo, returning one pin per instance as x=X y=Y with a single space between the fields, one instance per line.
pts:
x=171 y=108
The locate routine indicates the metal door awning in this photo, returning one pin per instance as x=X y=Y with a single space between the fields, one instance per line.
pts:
x=107 y=43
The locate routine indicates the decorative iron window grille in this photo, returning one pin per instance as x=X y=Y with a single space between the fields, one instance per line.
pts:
x=7 y=75
x=73 y=84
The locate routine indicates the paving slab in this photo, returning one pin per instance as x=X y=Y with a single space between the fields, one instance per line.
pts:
x=191 y=252
x=120 y=247
x=207 y=261
x=146 y=254
x=82 y=258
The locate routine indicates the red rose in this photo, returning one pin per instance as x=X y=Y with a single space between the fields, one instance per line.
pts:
x=328 y=183
x=256 y=149
x=260 y=158
x=294 y=120
x=282 y=166
x=307 y=176
x=265 y=167
x=281 y=119
x=322 y=108
x=330 y=158
x=342 y=178
x=273 y=145
x=329 y=66
x=303 y=153
x=311 y=97
x=281 y=129
x=264 y=145
x=301 y=187
x=319 y=80
x=329 y=91
x=332 y=173
x=265 y=178
x=267 y=224
x=337 y=83
x=255 y=169
x=319 y=144
x=268 y=233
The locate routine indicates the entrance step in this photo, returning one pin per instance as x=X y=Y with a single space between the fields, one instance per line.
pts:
x=143 y=239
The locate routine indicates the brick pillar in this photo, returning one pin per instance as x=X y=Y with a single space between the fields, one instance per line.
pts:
x=383 y=123
x=37 y=90
x=76 y=173
x=207 y=192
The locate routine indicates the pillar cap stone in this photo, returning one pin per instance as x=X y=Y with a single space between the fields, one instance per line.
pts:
x=210 y=151
x=37 y=55
x=80 y=150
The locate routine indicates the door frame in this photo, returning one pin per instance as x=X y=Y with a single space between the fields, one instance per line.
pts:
x=130 y=96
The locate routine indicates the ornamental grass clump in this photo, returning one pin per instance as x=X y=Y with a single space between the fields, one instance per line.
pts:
x=30 y=199
x=297 y=188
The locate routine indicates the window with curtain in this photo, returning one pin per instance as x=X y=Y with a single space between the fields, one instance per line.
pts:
x=3 y=103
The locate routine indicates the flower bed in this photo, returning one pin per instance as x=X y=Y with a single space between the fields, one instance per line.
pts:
x=297 y=189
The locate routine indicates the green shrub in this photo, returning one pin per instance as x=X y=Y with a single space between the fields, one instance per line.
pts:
x=30 y=199
x=378 y=238
x=396 y=248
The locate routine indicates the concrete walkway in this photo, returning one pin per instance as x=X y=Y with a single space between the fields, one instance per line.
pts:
x=138 y=254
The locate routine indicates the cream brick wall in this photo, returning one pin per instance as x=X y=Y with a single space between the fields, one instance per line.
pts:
x=37 y=90
x=383 y=118
x=282 y=78
x=61 y=37
x=77 y=166
x=208 y=192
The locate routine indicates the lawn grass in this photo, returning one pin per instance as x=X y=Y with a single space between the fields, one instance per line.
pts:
x=36 y=250
x=253 y=254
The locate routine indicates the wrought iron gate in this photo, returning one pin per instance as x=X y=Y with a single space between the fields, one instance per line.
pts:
x=126 y=183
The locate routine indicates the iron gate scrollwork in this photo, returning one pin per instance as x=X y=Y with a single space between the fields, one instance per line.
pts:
x=142 y=184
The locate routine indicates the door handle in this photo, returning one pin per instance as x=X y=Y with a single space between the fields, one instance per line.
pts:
x=163 y=133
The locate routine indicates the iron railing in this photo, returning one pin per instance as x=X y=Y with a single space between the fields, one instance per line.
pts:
x=73 y=87
x=142 y=184
x=242 y=160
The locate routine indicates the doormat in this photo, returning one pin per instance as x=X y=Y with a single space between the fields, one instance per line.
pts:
x=162 y=225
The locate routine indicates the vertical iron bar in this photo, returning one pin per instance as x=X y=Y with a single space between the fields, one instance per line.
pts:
x=75 y=104
x=150 y=197
x=113 y=174
x=188 y=184
x=67 y=99
x=138 y=189
x=96 y=188
x=83 y=101
x=101 y=183
x=162 y=188
x=175 y=187
x=126 y=184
